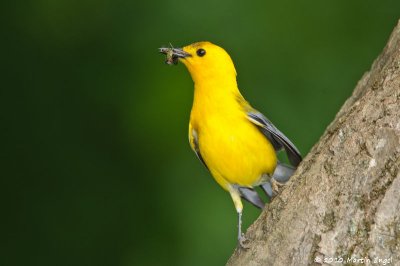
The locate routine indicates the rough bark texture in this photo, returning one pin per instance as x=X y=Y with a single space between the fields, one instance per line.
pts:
x=343 y=202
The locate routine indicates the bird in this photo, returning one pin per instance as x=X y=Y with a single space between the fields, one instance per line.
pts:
x=234 y=141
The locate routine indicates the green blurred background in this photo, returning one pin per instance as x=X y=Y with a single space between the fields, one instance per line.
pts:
x=96 y=168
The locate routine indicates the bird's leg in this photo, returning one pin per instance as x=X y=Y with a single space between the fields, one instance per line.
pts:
x=239 y=208
x=241 y=238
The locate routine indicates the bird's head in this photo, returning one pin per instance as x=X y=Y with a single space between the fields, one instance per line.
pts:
x=204 y=60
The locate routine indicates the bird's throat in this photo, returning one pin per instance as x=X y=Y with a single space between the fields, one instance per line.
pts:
x=213 y=98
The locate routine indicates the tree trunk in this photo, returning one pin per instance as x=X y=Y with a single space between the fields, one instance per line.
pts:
x=343 y=203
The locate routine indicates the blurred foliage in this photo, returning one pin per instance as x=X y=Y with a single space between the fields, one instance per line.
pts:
x=96 y=168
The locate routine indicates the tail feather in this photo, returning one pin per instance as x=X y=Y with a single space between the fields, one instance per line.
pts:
x=283 y=172
x=251 y=196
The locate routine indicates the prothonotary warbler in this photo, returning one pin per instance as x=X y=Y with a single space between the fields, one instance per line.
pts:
x=236 y=143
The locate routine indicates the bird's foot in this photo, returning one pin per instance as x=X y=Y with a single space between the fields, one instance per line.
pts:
x=276 y=186
x=243 y=242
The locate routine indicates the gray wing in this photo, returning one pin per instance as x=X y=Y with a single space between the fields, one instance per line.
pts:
x=277 y=138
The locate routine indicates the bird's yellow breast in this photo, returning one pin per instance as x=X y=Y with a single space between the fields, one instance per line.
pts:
x=232 y=147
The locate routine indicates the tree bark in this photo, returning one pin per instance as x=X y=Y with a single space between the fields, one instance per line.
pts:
x=343 y=202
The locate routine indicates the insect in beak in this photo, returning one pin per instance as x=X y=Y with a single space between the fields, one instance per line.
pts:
x=173 y=54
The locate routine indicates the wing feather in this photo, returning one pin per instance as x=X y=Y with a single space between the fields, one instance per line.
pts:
x=276 y=137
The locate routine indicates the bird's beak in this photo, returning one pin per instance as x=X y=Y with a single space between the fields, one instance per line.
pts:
x=173 y=54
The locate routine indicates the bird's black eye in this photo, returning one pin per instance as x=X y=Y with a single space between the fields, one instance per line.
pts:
x=201 y=52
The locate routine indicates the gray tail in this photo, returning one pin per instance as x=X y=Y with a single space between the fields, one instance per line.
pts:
x=283 y=172
x=251 y=196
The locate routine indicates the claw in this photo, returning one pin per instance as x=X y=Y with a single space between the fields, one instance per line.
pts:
x=276 y=186
x=243 y=242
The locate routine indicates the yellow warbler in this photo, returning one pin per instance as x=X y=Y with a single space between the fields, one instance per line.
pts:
x=236 y=143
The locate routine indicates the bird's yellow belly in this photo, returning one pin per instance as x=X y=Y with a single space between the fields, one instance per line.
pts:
x=235 y=151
